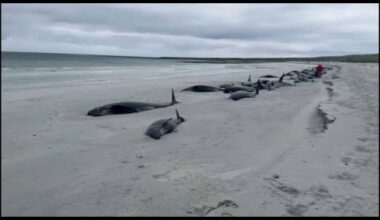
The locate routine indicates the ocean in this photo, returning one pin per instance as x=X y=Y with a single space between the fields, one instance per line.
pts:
x=43 y=70
x=30 y=70
x=40 y=70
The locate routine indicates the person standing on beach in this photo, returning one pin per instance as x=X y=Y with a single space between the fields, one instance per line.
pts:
x=318 y=71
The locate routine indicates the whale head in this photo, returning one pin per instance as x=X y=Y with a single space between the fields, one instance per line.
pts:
x=96 y=112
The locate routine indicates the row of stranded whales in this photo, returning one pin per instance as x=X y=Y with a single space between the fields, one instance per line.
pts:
x=248 y=86
x=128 y=107
x=164 y=126
x=301 y=76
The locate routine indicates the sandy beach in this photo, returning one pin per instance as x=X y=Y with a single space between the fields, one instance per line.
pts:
x=305 y=150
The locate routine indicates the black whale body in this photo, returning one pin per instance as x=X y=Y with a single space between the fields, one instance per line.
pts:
x=238 y=88
x=202 y=88
x=163 y=126
x=244 y=94
x=128 y=107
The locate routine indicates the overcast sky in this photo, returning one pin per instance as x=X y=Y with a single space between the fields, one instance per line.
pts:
x=192 y=30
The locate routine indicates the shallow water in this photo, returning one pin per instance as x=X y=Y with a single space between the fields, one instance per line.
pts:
x=40 y=70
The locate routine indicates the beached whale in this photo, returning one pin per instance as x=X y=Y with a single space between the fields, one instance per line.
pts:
x=268 y=76
x=261 y=84
x=226 y=85
x=237 y=88
x=248 y=83
x=243 y=94
x=202 y=88
x=128 y=107
x=303 y=76
x=163 y=126
x=291 y=74
x=280 y=83
x=281 y=78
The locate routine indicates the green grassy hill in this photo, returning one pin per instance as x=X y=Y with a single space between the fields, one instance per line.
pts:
x=367 y=58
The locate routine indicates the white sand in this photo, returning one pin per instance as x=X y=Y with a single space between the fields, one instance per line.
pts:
x=56 y=161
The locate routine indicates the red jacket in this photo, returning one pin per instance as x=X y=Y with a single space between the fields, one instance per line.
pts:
x=319 y=69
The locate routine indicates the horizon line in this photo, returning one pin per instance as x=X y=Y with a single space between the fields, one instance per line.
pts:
x=178 y=57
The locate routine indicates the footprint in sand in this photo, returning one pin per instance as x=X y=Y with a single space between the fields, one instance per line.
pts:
x=373 y=124
x=363 y=149
x=346 y=160
x=330 y=92
x=348 y=206
x=343 y=176
x=363 y=139
x=283 y=187
x=124 y=161
x=296 y=210
x=226 y=214
x=318 y=192
x=205 y=210
x=312 y=195
x=364 y=162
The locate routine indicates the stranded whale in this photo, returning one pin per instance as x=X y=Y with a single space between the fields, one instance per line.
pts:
x=237 y=88
x=244 y=94
x=128 y=107
x=164 y=126
x=202 y=88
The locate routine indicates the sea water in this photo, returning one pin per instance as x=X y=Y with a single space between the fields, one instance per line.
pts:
x=32 y=70
x=21 y=70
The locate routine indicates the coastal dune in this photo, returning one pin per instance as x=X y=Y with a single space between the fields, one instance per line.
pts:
x=303 y=150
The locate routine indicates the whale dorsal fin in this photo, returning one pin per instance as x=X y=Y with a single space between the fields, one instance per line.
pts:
x=174 y=101
x=178 y=116
x=280 y=80
x=249 y=78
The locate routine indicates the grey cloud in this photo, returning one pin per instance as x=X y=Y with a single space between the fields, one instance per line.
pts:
x=223 y=30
